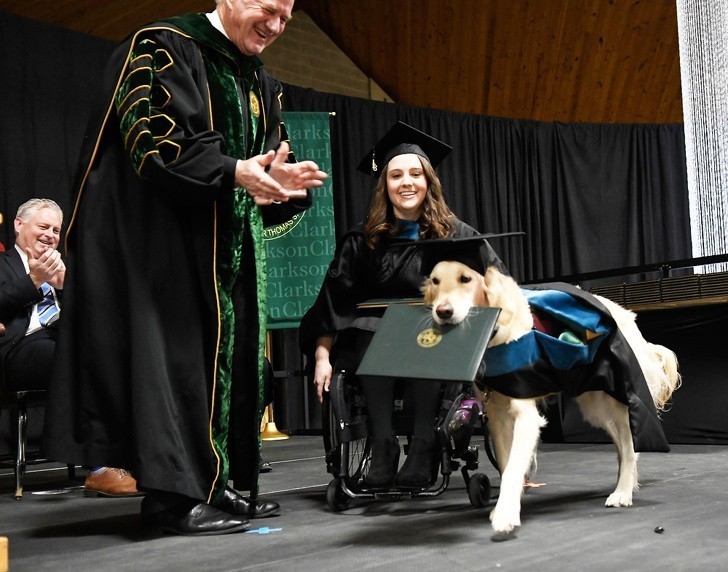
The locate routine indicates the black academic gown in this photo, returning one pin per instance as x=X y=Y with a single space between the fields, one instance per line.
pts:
x=611 y=367
x=159 y=362
x=358 y=273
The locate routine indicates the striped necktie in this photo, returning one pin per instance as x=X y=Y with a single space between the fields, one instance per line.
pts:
x=47 y=308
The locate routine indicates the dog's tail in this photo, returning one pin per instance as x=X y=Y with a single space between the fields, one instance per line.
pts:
x=667 y=379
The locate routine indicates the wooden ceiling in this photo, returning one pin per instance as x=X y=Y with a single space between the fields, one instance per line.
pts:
x=607 y=61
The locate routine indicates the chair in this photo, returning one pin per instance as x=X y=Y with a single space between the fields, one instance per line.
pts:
x=348 y=446
x=20 y=398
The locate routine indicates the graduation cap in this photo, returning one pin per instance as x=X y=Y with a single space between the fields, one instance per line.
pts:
x=401 y=139
x=469 y=250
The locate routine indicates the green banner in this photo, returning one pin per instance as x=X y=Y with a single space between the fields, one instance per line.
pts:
x=299 y=251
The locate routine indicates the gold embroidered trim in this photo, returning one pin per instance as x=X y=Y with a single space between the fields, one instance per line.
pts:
x=141 y=163
x=154 y=123
x=173 y=144
x=131 y=129
x=219 y=321
x=170 y=61
x=141 y=56
x=131 y=105
x=167 y=100
x=136 y=140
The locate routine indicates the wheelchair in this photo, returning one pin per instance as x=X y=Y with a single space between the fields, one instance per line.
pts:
x=348 y=445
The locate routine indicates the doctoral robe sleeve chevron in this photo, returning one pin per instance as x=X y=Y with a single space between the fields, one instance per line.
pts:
x=162 y=104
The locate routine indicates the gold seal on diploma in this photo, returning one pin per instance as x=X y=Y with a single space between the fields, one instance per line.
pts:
x=254 y=104
x=429 y=338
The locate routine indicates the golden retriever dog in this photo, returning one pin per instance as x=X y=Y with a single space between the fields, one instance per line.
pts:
x=515 y=424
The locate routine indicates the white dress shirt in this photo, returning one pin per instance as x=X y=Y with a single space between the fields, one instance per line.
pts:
x=34 y=325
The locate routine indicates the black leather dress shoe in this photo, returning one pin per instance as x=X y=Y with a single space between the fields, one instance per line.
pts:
x=235 y=504
x=198 y=519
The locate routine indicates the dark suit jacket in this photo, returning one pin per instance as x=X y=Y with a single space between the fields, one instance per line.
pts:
x=17 y=296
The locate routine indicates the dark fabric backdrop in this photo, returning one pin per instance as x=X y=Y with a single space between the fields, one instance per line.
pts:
x=589 y=196
x=697 y=414
x=49 y=78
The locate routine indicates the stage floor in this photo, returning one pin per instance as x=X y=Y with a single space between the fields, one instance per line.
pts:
x=565 y=525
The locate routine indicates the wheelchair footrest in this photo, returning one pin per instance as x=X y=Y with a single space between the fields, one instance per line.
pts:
x=393 y=495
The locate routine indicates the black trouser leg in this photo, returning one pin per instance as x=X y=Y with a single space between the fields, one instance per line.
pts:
x=379 y=395
x=420 y=467
x=425 y=397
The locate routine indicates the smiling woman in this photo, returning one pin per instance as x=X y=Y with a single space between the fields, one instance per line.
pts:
x=407 y=204
x=406 y=186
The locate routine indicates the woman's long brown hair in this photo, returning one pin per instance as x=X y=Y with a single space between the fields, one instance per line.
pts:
x=437 y=220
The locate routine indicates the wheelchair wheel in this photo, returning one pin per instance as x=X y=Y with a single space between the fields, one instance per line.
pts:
x=337 y=499
x=359 y=451
x=344 y=429
x=479 y=490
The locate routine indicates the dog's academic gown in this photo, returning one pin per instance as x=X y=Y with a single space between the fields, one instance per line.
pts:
x=159 y=365
x=539 y=363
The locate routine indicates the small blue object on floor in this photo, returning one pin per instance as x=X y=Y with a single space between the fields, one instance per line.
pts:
x=263 y=530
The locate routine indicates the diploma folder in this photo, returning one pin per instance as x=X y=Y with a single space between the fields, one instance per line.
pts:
x=409 y=344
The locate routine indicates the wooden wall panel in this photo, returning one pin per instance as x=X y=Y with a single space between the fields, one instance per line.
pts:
x=613 y=61
x=610 y=61
x=110 y=19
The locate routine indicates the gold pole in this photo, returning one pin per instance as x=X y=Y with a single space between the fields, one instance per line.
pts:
x=3 y=554
x=270 y=432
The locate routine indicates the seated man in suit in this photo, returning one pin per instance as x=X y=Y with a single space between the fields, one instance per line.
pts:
x=31 y=283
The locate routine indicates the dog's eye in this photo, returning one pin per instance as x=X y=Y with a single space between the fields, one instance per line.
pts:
x=465 y=278
x=435 y=281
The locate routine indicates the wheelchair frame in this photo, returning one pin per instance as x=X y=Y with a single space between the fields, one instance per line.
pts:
x=348 y=449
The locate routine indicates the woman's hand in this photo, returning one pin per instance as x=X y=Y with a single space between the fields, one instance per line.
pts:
x=322 y=377
x=323 y=369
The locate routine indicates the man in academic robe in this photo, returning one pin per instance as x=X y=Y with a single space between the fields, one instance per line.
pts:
x=160 y=361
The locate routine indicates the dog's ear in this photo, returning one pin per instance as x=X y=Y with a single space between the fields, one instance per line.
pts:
x=488 y=277
x=484 y=292
x=490 y=285
x=428 y=289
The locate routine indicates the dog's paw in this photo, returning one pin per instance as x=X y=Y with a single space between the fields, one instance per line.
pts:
x=619 y=498
x=503 y=536
x=503 y=522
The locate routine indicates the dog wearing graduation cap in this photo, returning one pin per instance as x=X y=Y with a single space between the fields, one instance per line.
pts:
x=553 y=338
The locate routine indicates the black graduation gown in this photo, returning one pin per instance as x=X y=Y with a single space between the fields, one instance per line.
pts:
x=159 y=360
x=358 y=273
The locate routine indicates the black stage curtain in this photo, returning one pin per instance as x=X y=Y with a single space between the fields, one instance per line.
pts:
x=697 y=414
x=697 y=336
x=49 y=81
x=589 y=196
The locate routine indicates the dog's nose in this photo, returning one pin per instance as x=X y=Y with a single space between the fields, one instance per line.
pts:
x=444 y=311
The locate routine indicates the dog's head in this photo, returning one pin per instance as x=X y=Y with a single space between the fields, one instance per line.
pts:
x=453 y=289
